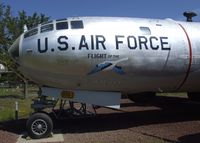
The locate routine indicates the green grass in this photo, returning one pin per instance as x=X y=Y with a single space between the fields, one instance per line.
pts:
x=10 y=92
x=8 y=97
x=6 y=114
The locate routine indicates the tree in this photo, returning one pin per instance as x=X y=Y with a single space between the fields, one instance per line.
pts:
x=11 y=27
x=2 y=25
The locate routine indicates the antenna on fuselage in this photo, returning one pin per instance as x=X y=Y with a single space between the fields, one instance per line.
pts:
x=189 y=15
x=25 y=28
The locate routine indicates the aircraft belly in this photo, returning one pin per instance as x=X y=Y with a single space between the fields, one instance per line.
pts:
x=135 y=72
x=104 y=81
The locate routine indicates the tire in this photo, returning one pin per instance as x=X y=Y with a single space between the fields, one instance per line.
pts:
x=39 y=125
x=194 y=96
x=142 y=97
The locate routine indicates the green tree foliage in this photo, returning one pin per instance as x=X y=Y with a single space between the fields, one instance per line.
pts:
x=12 y=27
x=2 y=25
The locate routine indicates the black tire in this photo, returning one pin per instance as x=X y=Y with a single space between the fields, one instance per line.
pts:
x=194 y=96
x=142 y=97
x=39 y=125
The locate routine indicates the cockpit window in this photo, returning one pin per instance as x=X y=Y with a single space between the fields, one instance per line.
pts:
x=47 y=22
x=31 y=33
x=46 y=28
x=145 y=30
x=61 y=25
x=63 y=19
x=77 y=24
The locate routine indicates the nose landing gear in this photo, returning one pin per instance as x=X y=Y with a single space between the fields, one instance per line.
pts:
x=39 y=125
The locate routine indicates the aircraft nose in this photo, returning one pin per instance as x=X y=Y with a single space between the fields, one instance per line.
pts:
x=14 y=50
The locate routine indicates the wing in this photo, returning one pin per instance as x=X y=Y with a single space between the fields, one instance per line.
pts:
x=100 y=67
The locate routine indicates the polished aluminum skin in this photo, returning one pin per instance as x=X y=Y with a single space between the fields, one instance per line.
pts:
x=113 y=54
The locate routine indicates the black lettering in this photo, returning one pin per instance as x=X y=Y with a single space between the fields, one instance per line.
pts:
x=62 y=41
x=100 y=39
x=92 y=42
x=97 y=56
x=89 y=55
x=164 y=43
x=132 y=45
x=39 y=46
x=142 y=41
x=152 y=43
x=83 y=43
x=117 y=40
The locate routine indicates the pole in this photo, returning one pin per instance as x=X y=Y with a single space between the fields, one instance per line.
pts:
x=16 y=110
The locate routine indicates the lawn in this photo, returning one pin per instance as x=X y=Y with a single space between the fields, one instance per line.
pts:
x=8 y=97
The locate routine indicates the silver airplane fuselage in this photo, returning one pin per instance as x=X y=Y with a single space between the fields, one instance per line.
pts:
x=111 y=54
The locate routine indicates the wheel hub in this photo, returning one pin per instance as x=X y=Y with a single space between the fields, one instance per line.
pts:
x=39 y=127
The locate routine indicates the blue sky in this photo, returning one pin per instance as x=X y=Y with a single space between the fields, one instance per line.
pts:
x=128 y=8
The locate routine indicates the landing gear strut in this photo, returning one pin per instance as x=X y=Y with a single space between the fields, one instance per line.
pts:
x=64 y=104
x=40 y=125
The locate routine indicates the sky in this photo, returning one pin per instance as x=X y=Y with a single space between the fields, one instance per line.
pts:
x=126 y=8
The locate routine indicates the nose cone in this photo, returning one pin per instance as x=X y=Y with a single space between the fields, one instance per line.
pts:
x=14 y=50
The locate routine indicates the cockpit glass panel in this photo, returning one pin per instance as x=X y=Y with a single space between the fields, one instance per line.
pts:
x=145 y=30
x=46 y=28
x=63 y=19
x=78 y=24
x=47 y=22
x=61 y=25
x=31 y=33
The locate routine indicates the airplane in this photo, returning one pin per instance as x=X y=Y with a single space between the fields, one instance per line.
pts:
x=95 y=60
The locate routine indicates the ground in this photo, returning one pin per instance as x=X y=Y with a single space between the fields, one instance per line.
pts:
x=162 y=120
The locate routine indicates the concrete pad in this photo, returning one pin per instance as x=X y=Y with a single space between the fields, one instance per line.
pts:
x=57 y=137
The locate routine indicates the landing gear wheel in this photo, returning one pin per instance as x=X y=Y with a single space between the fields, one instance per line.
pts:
x=39 y=125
